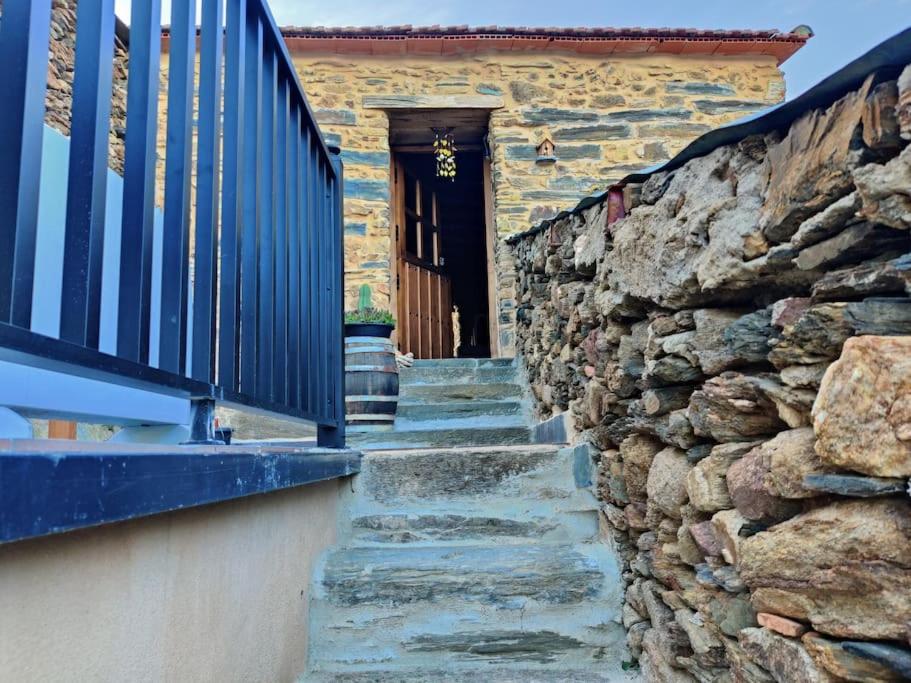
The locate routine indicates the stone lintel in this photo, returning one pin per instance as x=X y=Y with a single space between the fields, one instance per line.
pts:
x=432 y=102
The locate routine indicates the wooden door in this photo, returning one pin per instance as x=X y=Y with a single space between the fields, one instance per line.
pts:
x=424 y=293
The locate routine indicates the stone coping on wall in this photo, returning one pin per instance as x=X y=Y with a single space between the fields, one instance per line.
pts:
x=54 y=486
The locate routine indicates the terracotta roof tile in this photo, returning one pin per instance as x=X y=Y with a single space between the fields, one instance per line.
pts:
x=342 y=39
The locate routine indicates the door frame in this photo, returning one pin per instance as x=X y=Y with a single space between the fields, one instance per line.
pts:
x=396 y=252
x=490 y=236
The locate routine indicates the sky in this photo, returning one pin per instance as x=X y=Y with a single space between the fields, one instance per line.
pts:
x=844 y=29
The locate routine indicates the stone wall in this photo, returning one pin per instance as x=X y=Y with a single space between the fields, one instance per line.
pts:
x=737 y=351
x=59 y=98
x=605 y=116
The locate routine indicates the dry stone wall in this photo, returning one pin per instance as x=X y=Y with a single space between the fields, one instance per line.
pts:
x=737 y=351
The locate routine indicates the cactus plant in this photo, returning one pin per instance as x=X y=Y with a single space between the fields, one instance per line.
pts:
x=364 y=298
x=365 y=312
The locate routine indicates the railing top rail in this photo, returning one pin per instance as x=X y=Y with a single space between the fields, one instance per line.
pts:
x=278 y=43
x=281 y=47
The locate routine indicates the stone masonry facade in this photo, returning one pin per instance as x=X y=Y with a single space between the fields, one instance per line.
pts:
x=606 y=116
x=735 y=351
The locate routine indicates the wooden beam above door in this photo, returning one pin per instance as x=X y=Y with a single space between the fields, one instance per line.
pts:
x=415 y=126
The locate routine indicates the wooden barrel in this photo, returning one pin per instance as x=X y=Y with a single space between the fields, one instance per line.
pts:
x=371 y=383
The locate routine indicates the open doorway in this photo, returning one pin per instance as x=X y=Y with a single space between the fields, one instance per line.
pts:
x=441 y=235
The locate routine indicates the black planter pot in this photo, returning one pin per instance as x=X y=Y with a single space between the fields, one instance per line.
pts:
x=368 y=330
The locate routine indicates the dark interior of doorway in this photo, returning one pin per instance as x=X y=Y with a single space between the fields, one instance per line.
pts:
x=460 y=206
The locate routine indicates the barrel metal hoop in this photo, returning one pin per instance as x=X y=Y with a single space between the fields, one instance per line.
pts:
x=370 y=368
x=372 y=340
x=372 y=398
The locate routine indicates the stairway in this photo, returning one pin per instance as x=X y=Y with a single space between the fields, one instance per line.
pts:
x=468 y=551
x=455 y=402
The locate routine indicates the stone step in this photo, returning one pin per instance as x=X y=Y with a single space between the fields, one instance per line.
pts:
x=451 y=607
x=497 y=523
x=432 y=374
x=600 y=672
x=438 y=437
x=466 y=421
x=503 y=578
x=413 y=411
x=459 y=393
x=473 y=478
x=464 y=363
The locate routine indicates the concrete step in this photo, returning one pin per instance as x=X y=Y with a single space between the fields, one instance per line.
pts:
x=459 y=393
x=413 y=607
x=446 y=374
x=477 y=478
x=438 y=437
x=414 y=411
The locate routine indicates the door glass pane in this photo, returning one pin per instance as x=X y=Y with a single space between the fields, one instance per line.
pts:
x=426 y=202
x=411 y=196
x=438 y=229
x=411 y=235
x=427 y=241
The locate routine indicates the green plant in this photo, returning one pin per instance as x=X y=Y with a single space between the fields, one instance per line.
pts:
x=370 y=315
x=365 y=312
x=364 y=298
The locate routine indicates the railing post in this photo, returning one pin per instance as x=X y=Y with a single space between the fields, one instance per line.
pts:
x=329 y=436
x=202 y=423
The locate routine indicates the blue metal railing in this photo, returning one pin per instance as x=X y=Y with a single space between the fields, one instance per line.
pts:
x=253 y=316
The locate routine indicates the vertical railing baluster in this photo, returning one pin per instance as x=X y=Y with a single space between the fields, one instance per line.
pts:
x=294 y=264
x=326 y=289
x=232 y=196
x=280 y=337
x=317 y=268
x=267 y=231
x=175 y=256
x=334 y=436
x=24 y=31
x=205 y=262
x=252 y=167
x=316 y=396
x=306 y=260
x=80 y=312
x=134 y=305
x=322 y=253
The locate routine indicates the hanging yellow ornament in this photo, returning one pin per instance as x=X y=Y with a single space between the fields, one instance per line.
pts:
x=444 y=151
